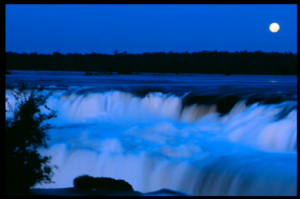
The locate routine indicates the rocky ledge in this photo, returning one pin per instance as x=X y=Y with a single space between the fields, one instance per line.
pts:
x=90 y=186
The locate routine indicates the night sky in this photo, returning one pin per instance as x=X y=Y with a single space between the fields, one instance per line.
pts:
x=149 y=28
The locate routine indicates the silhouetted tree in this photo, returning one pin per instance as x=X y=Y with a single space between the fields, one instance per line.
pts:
x=24 y=133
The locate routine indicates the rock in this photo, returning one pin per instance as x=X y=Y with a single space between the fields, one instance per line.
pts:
x=165 y=192
x=89 y=186
x=86 y=182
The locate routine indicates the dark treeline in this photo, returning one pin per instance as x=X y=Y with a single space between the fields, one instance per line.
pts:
x=159 y=62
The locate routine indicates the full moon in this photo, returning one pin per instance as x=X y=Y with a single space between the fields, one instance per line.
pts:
x=274 y=27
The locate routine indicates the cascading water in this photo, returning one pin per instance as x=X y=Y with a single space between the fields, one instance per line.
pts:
x=156 y=141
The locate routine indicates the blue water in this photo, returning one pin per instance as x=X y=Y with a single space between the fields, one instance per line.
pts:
x=197 y=134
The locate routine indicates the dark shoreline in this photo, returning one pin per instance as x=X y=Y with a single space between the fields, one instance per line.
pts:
x=74 y=192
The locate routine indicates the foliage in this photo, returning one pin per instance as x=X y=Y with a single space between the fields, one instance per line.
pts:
x=24 y=133
x=159 y=62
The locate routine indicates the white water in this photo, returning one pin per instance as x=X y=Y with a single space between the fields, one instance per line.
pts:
x=152 y=144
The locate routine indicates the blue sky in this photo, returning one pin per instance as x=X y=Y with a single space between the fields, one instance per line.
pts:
x=149 y=28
